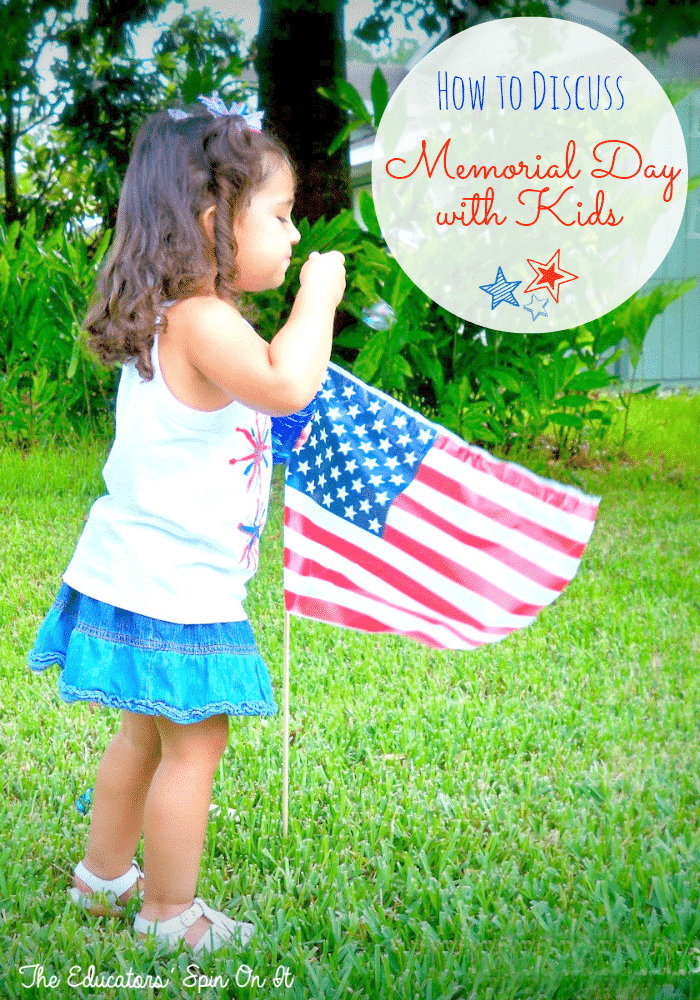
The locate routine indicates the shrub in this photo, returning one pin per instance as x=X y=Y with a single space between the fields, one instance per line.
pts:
x=494 y=388
x=51 y=386
x=497 y=389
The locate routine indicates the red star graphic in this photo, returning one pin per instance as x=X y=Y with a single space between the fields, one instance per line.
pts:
x=550 y=275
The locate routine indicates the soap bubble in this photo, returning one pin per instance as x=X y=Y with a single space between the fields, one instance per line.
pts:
x=379 y=315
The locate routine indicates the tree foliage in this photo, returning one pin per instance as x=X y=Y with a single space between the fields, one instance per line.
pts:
x=23 y=107
x=65 y=152
x=654 y=25
x=40 y=129
x=648 y=26
x=202 y=52
x=432 y=15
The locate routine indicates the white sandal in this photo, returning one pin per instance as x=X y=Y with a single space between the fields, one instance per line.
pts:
x=222 y=930
x=104 y=898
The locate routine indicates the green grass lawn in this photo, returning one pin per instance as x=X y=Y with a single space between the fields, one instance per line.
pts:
x=666 y=431
x=520 y=821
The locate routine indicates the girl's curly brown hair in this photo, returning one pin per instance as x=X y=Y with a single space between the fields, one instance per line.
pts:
x=160 y=252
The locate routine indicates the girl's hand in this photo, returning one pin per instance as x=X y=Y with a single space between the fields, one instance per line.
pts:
x=325 y=273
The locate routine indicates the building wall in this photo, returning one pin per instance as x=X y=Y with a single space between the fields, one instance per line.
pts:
x=671 y=354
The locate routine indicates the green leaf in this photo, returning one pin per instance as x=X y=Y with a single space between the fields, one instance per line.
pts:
x=380 y=95
x=353 y=336
x=433 y=370
x=400 y=364
x=597 y=378
x=610 y=337
x=365 y=284
x=483 y=434
x=615 y=357
x=676 y=90
x=368 y=360
x=566 y=419
x=330 y=95
x=376 y=257
x=578 y=402
x=13 y=233
x=398 y=289
x=102 y=248
x=636 y=315
x=504 y=378
x=369 y=213
x=56 y=264
x=39 y=382
x=75 y=356
x=324 y=235
x=545 y=385
x=353 y=100
x=646 y=390
x=4 y=278
x=341 y=137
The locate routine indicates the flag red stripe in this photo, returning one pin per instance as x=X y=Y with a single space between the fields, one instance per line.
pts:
x=462 y=494
x=504 y=555
x=400 y=581
x=516 y=477
x=336 y=614
x=460 y=574
x=309 y=568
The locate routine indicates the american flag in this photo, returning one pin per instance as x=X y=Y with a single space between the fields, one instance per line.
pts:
x=394 y=524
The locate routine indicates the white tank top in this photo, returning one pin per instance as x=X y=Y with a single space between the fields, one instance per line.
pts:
x=177 y=535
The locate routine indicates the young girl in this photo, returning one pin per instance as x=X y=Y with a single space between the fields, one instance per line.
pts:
x=150 y=617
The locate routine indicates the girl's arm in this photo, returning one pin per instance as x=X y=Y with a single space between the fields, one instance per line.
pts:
x=276 y=378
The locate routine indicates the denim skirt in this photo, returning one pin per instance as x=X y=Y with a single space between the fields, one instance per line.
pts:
x=121 y=659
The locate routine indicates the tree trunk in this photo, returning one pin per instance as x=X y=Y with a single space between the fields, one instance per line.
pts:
x=301 y=46
x=9 y=142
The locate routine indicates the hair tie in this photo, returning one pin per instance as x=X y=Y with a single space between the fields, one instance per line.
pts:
x=216 y=107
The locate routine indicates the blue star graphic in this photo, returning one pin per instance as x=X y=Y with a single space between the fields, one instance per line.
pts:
x=501 y=290
x=531 y=307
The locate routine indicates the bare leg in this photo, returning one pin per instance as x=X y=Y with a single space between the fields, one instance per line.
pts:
x=175 y=818
x=121 y=786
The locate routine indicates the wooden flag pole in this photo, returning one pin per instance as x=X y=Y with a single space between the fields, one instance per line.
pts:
x=285 y=736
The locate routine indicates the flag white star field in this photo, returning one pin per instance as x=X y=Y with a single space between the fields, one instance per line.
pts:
x=394 y=524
